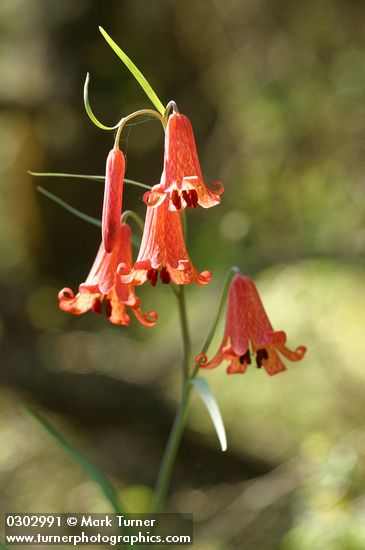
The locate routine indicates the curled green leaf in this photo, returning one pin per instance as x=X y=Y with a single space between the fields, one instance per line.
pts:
x=89 y=110
x=146 y=86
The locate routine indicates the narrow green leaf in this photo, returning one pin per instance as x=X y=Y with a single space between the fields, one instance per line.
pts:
x=68 y=207
x=135 y=72
x=136 y=183
x=89 y=110
x=90 y=470
x=94 y=221
x=85 y=177
x=65 y=175
x=210 y=402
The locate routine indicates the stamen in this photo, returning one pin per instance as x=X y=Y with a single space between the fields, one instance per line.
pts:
x=108 y=308
x=96 y=307
x=176 y=199
x=152 y=275
x=261 y=354
x=246 y=358
x=165 y=276
x=194 y=198
x=186 y=197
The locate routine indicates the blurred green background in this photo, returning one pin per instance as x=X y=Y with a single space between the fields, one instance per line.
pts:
x=276 y=94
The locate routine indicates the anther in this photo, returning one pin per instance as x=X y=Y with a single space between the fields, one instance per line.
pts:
x=194 y=198
x=152 y=275
x=261 y=354
x=165 y=276
x=245 y=358
x=96 y=307
x=176 y=199
x=108 y=308
x=186 y=197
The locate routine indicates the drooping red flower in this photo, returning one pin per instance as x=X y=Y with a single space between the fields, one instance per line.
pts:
x=249 y=331
x=182 y=182
x=162 y=250
x=113 y=195
x=103 y=286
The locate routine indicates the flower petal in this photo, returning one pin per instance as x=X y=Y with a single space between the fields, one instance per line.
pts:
x=78 y=304
x=162 y=247
x=146 y=319
x=202 y=361
x=273 y=365
x=295 y=355
x=182 y=178
x=119 y=315
x=237 y=367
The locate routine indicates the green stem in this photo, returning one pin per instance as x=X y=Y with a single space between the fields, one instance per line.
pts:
x=168 y=461
x=184 y=331
x=131 y=214
x=227 y=282
x=124 y=121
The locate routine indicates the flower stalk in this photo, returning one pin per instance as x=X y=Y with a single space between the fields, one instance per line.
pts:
x=141 y=112
x=131 y=214
x=168 y=461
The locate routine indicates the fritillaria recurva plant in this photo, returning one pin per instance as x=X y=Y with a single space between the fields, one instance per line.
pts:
x=111 y=286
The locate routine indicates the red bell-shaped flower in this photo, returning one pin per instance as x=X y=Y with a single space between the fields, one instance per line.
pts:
x=249 y=331
x=103 y=286
x=162 y=250
x=113 y=195
x=182 y=182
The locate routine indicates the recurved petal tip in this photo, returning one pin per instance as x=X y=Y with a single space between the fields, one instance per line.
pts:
x=146 y=319
x=66 y=294
x=153 y=198
x=217 y=187
x=201 y=360
x=300 y=352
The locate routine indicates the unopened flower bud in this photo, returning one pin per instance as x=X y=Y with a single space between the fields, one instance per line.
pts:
x=113 y=194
